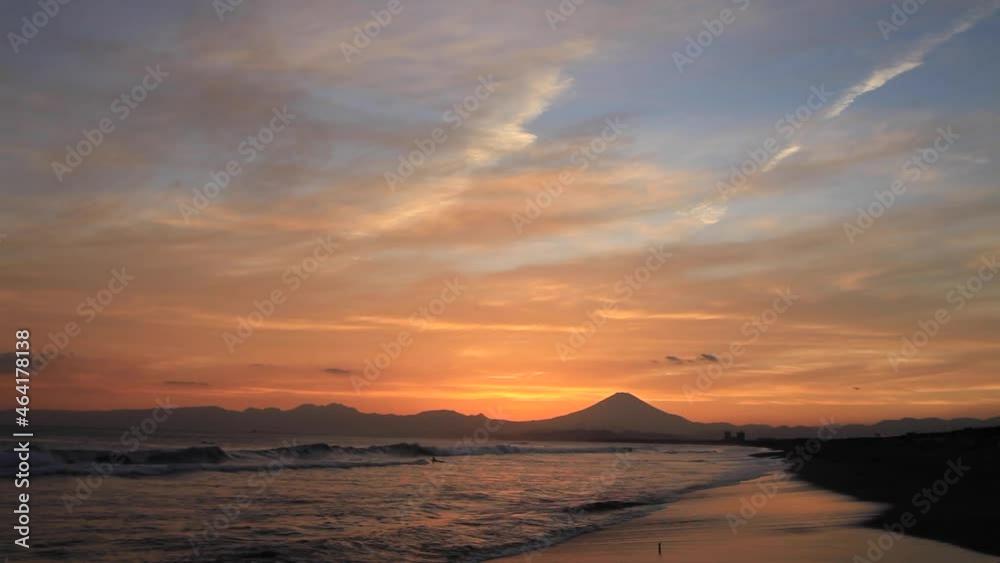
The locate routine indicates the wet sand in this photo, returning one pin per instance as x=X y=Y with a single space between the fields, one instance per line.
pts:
x=799 y=523
x=945 y=485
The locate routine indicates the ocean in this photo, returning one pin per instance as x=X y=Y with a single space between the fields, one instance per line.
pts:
x=267 y=497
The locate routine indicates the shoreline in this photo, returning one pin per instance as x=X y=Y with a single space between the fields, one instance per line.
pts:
x=799 y=523
x=935 y=486
x=918 y=497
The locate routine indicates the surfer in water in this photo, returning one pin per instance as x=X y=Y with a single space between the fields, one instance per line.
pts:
x=436 y=460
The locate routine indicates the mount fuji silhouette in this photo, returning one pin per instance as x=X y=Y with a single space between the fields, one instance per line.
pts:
x=622 y=412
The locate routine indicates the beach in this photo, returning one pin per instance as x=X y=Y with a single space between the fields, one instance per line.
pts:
x=799 y=523
x=940 y=486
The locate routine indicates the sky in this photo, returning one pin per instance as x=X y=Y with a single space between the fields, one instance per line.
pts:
x=737 y=210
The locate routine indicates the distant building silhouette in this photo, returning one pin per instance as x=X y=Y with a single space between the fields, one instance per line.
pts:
x=727 y=436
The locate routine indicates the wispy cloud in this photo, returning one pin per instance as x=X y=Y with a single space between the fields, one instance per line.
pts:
x=708 y=213
x=504 y=132
x=771 y=164
x=912 y=59
x=533 y=138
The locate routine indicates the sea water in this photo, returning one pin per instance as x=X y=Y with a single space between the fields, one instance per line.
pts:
x=267 y=497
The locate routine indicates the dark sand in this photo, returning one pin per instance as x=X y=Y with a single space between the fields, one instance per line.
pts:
x=832 y=506
x=902 y=472
x=800 y=523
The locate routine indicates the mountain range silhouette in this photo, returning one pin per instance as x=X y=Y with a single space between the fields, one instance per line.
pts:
x=621 y=416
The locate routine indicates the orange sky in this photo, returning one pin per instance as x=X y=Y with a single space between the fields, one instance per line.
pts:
x=485 y=288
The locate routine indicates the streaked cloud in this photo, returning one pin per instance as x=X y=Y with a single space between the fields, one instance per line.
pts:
x=656 y=186
x=776 y=159
x=912 y=59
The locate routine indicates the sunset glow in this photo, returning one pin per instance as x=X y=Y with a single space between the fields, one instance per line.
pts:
x=480 y=210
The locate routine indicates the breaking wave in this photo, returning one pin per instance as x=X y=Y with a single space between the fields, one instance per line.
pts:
x=307 y=456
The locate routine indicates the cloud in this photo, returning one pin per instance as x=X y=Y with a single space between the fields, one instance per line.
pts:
x=7 y=359
x=708 y=213
x=912 y=59
x=325 y=172
x=771 y=164
x=700 y=358
x=503 y=132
